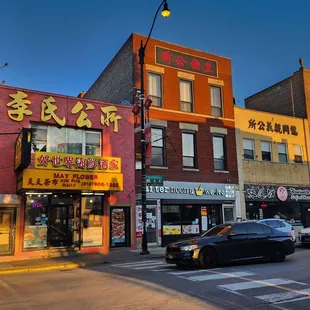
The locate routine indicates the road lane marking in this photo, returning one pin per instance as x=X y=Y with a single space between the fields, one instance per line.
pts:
x=283 y=296
x=132 y=264
x=250 y=285
x=148 y=267
x=219 y=276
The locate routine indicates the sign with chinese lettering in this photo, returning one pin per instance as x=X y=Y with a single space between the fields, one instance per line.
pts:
x=63 y=161
x=23 y=149
x=267 y=193
x=185 y=62
x=20 y=107
x=71 y=180
x=262 y=125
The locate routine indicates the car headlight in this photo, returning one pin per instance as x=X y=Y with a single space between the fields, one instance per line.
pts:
x=189 y=247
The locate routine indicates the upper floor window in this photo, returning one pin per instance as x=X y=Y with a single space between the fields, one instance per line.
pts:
x=158 y=147
x=248 y=149
x=219 y=152
x=188 y=149
x=266 y=150
x=282 y=151
x=298 y=154
x=186 y=96
x=65 y=140
x=154 y=89
x=216 y=101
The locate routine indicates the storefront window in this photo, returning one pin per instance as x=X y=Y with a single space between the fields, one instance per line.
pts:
x=36 y=220
x=92 y=216
x=190 y=219
x=171 y=220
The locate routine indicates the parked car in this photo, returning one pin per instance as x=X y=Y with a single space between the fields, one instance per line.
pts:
x=281 y=225
x=304 y=236
x=230 y=243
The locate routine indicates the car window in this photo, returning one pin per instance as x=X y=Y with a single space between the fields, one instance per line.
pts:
x=258 y=229
x=273 y=223
x=239 y=229
x=266 y=230
x=219 y=230
x=282 y=224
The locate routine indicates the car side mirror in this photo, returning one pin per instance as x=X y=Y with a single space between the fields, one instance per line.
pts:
x=231 y=235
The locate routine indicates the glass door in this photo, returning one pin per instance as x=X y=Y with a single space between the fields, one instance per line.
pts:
x=60 y=232
x=7 y=231
x=151 y=220
x=228 y=214
x=120 y=227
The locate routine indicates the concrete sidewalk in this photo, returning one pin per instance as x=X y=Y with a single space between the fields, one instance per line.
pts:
x=78 y=261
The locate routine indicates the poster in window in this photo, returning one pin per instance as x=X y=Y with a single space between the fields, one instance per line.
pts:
x=172 y=230
x=35 y=237
x=190 y=229
x=118 y=226
x=92 y=236
x=139 y=225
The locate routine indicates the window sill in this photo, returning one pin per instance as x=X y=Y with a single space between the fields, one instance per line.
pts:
x=158 y=167
x=191 y=169
x=221 y=171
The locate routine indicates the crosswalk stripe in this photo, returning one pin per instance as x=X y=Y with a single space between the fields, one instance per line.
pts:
x=219 y=276
x=127 y=265
x=177 y=273
x=285 y=296
x=261 y=283
x=148 y=267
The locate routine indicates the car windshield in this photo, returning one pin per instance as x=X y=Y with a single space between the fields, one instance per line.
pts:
x=217 y=231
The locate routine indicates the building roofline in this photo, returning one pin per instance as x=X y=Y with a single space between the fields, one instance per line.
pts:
x=182 y=46
x=269 y=113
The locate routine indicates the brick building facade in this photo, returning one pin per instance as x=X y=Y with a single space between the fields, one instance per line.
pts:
x=193 y=172
x=76 y=191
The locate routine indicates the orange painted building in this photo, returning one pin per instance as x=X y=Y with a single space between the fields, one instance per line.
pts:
x=192 y=176
x=66 y=185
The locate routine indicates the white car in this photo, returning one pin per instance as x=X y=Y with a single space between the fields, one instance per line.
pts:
x=304 y=236
x=281 y=225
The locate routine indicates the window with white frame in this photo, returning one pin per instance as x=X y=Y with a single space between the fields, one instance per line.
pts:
x=216 y=101
x=298 y=154
x=282 y=151
x=266 y=150
x=65 y=140
x=248 y=149
x=157 y=140
x=188 y=149
x=219 y=152
x=186 y=96
x=154 y=89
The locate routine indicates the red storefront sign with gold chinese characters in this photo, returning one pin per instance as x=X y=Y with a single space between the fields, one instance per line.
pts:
x=70 y=180
x=62 y=161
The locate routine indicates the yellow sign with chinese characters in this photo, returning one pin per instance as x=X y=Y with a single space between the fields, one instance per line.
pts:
x=20 y=107
x=71 y=180
x=61 y=161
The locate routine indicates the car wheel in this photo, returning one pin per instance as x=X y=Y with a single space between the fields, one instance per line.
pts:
x=208 y=258
x=279 y=254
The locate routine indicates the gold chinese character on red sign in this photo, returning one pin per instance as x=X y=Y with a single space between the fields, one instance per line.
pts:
x=82 y=119
x=48 y=109
x=109 y=116
x=19 y=106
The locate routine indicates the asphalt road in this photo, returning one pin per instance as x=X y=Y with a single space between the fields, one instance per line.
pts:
x=151 y=284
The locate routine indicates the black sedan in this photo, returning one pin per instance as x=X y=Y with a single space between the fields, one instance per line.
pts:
x=231 y=243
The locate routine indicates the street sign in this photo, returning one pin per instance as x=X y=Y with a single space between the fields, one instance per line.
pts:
x=154 y=180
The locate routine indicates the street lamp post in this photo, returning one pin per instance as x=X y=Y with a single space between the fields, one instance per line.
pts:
x=165 y=13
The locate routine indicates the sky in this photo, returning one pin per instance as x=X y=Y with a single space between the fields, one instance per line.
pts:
x=62 y=46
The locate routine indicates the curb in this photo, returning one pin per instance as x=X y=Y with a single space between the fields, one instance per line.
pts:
x=48 y=268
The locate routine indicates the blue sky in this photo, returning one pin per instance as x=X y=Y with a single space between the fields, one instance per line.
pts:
x=62 y=46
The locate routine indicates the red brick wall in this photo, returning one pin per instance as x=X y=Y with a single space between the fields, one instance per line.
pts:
x=114 y=144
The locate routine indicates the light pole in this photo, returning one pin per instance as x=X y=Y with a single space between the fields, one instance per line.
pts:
x=165 y=13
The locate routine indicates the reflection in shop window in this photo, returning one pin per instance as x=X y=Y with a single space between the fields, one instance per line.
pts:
x=36 y=220
x=65 y=140
x=92 y=214
x=171 y=220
